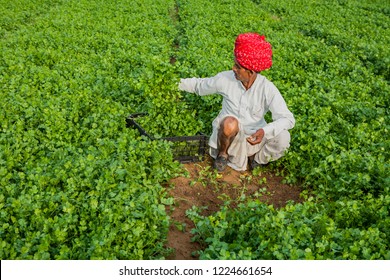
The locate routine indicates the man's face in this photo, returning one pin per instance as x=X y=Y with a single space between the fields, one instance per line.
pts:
x=242 y=74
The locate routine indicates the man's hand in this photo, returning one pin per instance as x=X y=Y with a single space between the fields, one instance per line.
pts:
x=256 y=137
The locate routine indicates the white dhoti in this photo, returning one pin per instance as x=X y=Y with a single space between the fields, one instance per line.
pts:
x=266 y=151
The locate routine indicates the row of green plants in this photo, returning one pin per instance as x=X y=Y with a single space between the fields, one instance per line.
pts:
x=331 y=63
x=75 y=182
x=343 y=229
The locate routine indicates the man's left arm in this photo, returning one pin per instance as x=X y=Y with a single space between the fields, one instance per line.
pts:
x=282 y=118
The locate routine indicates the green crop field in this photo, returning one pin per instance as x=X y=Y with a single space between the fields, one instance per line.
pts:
x=76 y=183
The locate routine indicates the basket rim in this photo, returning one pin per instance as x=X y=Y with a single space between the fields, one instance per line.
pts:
x=133 y=116
x=183 y=158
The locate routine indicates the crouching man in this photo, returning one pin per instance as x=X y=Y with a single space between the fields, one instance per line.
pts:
x=240 y=132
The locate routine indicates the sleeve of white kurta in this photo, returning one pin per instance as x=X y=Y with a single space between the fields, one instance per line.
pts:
x=282 y=118
x=200 y=86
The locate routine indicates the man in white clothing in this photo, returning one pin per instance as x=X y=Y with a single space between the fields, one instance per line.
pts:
x=240 y=131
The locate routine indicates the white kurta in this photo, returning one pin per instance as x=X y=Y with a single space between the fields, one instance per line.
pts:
x=249 y=108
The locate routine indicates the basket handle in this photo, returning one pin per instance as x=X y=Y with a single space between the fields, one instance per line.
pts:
x=130 y=121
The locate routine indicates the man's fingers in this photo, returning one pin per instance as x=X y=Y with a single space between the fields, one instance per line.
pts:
x=252 y=140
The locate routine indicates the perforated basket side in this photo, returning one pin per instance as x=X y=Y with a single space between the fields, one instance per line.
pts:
x=189 y=148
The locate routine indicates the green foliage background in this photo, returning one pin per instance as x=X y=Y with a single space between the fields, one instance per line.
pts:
x=75 y=183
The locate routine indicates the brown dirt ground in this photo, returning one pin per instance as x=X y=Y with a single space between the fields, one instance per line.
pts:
x=202 y=188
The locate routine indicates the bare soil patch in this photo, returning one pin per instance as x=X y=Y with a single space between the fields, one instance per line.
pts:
x=203 y=188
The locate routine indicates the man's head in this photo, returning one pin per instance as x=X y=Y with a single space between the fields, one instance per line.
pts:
x=243 y=74
x=253 y=52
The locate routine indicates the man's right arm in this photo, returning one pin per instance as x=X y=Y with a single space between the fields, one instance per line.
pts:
x=200 y=86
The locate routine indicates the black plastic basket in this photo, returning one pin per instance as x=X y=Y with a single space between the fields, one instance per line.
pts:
x=185 y=148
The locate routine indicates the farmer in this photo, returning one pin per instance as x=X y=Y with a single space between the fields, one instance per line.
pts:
x=240 y=133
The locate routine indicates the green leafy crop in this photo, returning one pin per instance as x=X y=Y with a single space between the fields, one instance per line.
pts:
x=76 y=183
x=331 y=64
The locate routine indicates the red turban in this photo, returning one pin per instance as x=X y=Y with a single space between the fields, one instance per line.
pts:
x=253 y=52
